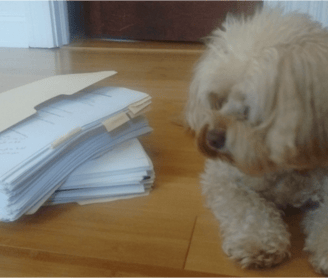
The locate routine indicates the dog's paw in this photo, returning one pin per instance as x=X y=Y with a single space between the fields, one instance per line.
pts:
x=320 y=263
x=257 y=255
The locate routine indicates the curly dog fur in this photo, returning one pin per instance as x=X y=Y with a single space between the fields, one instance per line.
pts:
x=258 y=104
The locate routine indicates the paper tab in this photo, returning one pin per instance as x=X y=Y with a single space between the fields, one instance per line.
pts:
x=19 y=103
x=136 y=107
x=115 y=121
x=65 y=137
x=142 y=111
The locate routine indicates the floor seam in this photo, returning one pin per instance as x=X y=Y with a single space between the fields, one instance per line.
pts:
x=190 y=242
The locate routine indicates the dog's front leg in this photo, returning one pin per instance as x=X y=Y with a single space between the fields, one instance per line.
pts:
x=252 y=228
x=316 y=229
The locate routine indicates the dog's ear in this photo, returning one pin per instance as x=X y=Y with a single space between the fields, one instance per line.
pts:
x=298 y=136
x=197 y=109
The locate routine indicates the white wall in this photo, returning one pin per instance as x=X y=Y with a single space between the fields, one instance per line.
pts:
x=317 y=10
x=14 y=31
x=42 y=24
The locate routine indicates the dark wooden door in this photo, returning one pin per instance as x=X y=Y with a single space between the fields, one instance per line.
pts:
x=159 y=21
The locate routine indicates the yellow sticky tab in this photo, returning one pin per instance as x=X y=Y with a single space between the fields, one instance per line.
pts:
x=115 y=121
x=142 y=111
x=140 y=105
x=65 y=137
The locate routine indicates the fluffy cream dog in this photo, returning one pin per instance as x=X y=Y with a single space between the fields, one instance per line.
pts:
x=259 y=106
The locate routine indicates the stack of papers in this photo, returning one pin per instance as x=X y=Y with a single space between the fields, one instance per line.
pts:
x=39 y=153
x=124 y=172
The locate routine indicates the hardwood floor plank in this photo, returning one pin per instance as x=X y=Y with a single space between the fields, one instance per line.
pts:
x=206 y=253
x=20 y=262
x=137 y=46
x=136 y=236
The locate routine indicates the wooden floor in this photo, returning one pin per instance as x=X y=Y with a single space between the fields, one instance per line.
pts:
x=169 y=232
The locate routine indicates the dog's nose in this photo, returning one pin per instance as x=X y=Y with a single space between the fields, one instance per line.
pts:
x=216 y=138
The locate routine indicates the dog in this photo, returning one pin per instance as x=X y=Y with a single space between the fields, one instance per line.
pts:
x=258 y=105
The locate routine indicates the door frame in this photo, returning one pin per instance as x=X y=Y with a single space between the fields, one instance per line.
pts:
x=42 y=24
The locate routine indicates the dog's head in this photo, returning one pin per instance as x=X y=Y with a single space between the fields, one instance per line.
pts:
x=259 y=96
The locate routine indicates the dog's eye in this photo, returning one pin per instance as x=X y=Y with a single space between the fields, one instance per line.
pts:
x=217 y=105
x=216 y=102
x=246 y=112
